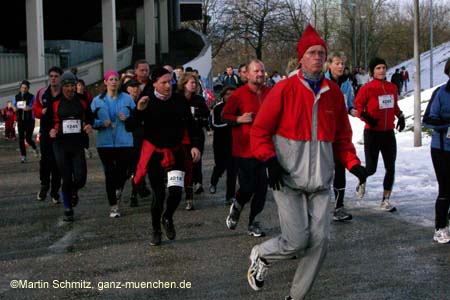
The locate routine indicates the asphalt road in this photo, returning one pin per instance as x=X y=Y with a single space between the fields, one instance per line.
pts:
x=375 y=256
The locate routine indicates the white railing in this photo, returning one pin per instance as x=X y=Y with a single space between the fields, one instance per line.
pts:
x=13 y=66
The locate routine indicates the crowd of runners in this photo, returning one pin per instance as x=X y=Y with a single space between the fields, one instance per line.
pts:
x=294 y=137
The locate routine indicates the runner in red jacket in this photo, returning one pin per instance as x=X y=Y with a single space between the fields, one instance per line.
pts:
x=376 y=104
x=240 y=111
x=300 y=127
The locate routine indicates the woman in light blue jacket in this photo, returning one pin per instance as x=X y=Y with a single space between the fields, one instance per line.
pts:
x=114 y=143
x=335 y=65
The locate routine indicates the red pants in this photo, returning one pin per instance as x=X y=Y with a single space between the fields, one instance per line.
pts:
x=10 y=131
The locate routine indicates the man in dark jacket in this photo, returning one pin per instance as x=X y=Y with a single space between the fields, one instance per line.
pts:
x=396 y=79
x=42 y=109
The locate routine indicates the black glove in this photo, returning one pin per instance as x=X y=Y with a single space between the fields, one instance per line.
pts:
x=360 y=172
x=275 y=172
x=371 y=121
x=401 y=123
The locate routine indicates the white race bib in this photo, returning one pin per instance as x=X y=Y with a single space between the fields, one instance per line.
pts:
x=21 y=104
x=448 y=133
x=71 y=126
x=386 y=101
x=175 y=178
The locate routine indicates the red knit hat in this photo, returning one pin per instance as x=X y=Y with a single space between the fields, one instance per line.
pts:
x=309 y=38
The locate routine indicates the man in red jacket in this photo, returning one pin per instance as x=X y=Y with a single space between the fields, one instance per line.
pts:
x=301 y=126
x=240 y=110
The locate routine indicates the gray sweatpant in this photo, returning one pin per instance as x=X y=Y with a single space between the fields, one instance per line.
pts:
x=305 y=230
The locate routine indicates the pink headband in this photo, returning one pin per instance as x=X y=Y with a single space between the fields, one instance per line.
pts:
x=111 y=73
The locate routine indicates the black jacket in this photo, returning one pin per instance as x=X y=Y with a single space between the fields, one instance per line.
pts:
x=165 y=122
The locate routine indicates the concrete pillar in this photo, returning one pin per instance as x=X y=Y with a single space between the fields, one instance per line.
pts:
x=176 y=15
x=109 y=35
x=164 y=26
x=149 y=25
x=35 y=39
x=140 y=32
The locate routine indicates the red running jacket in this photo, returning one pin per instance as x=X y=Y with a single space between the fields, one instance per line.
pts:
x=305 y=132
x=243 y=100
x=379 y=100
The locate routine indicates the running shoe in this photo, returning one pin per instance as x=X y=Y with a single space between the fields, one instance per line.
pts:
x=255 y=230
x=55 y=198
x=169 y=229
x=23 y=159
x=198 y=188
x=155 y=239
x=212 y=189
x=441 y=236
x=233 y=216
x=68 y=215
x=386 y=206
x=36 y=152
x=42 y=194
x=114 y=212
x=361 y=190
x=189 y=204
x=257 y=271
x=341 y=214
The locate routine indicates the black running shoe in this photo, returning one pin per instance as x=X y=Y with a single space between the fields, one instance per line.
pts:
x=42 y=194
x=68 y=215
x=155 y=239
x=55 y=198
x=169 y=228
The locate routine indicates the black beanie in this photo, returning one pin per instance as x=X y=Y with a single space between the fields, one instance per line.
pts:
x=375 y=62
x=157 y=73
x=26 y=83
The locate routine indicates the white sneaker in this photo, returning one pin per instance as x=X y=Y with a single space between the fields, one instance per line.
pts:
x=442 y=236
x=386 y=206
x=114 y=212
x=360 y=190
x=257 y=271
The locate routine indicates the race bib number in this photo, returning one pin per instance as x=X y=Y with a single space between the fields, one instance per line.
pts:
x=386 y=101
x=175 y=178
x=448 y=133
x=21 y=104
x=71 y=126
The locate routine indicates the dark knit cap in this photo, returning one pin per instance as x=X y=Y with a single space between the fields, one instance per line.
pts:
x=25 y=82
x=375 y=62
x=157 y=73
x=68 y=78
x=132 y=82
